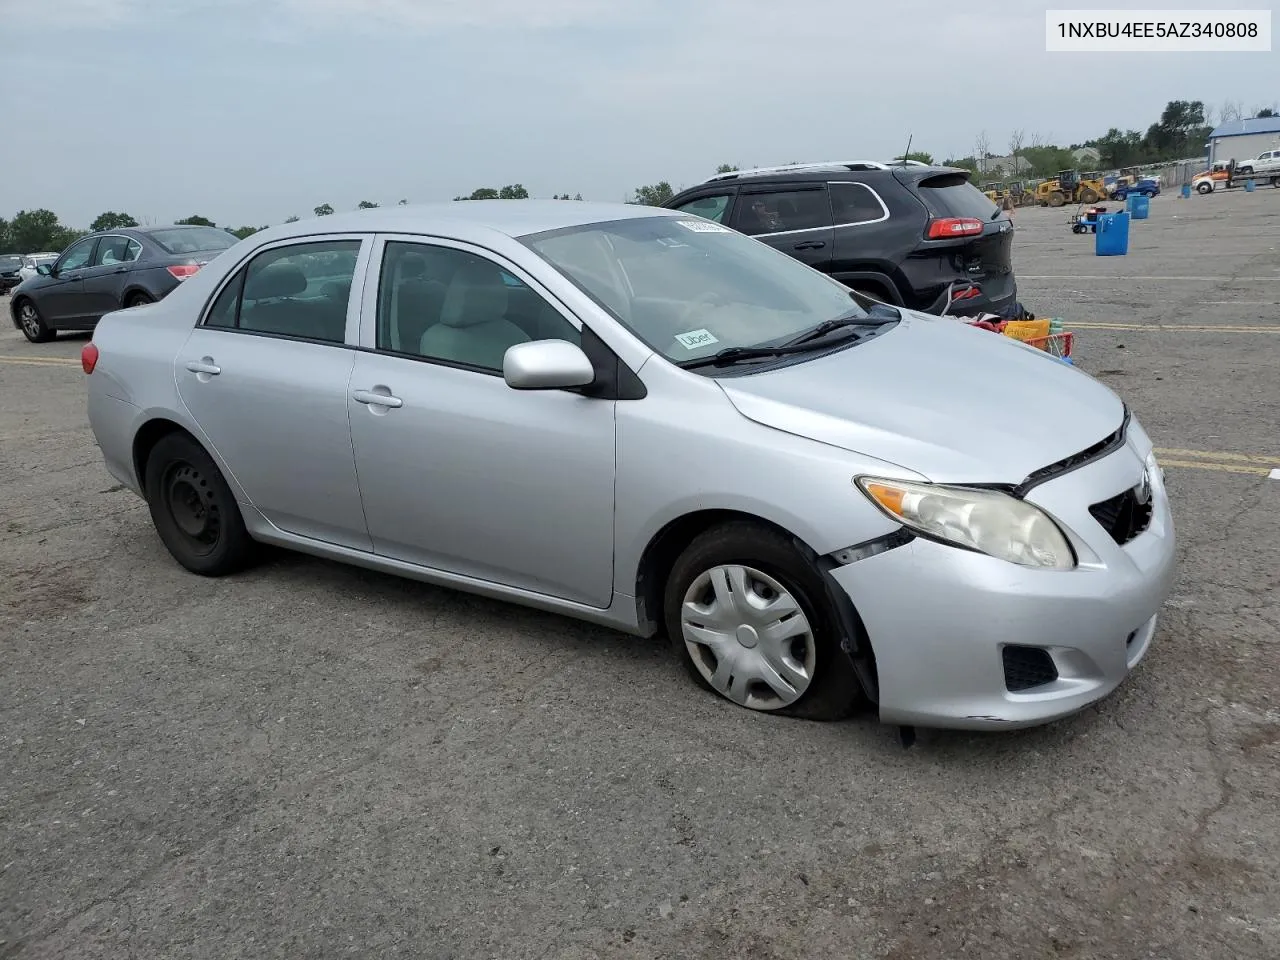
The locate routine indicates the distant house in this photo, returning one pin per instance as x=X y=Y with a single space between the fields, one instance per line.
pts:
x=1004 y=166
x=1244 y=139
x=1087 y=156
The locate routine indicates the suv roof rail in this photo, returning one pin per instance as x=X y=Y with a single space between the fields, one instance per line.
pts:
x=819 y=165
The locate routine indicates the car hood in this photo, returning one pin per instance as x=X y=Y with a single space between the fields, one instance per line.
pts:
x=953 y=403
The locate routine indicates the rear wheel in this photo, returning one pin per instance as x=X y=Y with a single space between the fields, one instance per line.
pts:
x=138 y=299
x=1057 y=198
x=1088 y=195
x=749 y=617
x=32 y=324
x=193 y=509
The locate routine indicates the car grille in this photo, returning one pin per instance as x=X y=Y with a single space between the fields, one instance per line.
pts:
x=1027 y=667
x=1123 y=516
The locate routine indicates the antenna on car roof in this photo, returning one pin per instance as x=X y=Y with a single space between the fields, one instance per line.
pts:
x=907 y=152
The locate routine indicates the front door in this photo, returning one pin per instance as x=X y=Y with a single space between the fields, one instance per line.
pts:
x=459 y=472
x=62 y=303
x=266 y=376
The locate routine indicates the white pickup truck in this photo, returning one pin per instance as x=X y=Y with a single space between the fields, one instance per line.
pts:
x=1265 y=166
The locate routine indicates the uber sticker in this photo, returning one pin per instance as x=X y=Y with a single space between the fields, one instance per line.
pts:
x=696 y=338
x=703 y=226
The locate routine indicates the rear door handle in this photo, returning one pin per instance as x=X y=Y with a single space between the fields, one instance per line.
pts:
x=376 y=399
x=811 y=245
x=204 y=366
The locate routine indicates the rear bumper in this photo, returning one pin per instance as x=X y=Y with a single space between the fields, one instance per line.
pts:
x=939 y=618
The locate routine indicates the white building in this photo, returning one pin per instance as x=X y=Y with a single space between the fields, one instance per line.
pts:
x=1244 y=139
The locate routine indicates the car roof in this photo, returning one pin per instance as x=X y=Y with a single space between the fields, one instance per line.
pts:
x=463 y=218
x=912 y=171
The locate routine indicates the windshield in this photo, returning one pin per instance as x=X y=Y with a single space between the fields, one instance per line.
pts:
x=193 y=239
x=689 y=288
x=10 y=262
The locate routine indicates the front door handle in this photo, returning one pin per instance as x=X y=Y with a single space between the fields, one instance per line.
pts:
x=376 y=399
x=811 y=245
x=204 y=366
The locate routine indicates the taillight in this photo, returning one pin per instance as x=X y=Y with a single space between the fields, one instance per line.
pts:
x=953 y=227
x=88 y=357
x=181 y=271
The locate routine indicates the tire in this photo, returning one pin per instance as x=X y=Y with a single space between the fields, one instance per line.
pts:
x=1089 y=195
x=743 y=564
x=1057 y=198
x=1204 y=188
x=138 y=299
x=33 y=326
x=193 y=509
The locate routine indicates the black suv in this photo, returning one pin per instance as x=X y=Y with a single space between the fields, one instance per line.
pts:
x=10 y=264
x=917 y=236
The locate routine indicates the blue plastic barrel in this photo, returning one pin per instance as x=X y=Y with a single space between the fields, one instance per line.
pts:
x=1248 y=185
x=1112 y=236
x=1186 y=190
x=1139 y=206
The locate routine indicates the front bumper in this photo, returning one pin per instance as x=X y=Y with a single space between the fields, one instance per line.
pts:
x=939 y=618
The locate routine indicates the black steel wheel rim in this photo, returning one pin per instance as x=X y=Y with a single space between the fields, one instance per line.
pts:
x=190 y=502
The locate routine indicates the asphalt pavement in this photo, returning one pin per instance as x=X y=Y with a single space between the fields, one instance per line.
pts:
x=315 y=761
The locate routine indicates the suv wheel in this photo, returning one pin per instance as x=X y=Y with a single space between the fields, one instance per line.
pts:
x=748 y=616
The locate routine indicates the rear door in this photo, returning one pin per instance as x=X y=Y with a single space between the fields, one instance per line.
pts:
x=108 y=272
x=265 y=376
x=794 y=218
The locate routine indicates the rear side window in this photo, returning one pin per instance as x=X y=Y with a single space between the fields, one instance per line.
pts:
x=784 y=211
x=954 y=196
x=855 y=203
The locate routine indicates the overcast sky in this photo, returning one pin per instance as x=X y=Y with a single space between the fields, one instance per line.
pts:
x=248 y=111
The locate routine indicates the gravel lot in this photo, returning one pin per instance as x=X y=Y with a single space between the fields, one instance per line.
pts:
x=314 y=761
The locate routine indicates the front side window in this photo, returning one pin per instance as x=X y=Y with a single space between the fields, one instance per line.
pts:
x=713 y=208
x=783 y=211
x=451 y=305
x=689 y=288
x=77 y=255
x=301 y=290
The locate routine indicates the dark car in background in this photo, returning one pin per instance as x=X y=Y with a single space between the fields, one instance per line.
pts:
x=906 y=233
x=111 y=270
x=10 y=264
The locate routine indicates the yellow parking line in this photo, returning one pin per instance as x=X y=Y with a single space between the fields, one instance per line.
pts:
x=41 y=361
x=1176 y=327
x=1220 y=467
x=1256 y=458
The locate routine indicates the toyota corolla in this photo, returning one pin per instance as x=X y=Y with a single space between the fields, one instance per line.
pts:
x=644 y=419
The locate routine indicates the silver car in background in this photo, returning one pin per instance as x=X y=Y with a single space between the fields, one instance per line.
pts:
x=646 y=420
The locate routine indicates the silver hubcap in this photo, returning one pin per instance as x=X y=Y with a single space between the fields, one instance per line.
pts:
x=30 y=322
x=748 y=637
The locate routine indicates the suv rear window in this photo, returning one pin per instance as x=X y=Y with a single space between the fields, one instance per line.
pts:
x=952 y=195
x=180 y=240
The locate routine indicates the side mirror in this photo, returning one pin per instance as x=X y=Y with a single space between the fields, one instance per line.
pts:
x=546 y=365
x=44 y=269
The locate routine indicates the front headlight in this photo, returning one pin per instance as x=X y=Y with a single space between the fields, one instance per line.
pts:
x=987 y=521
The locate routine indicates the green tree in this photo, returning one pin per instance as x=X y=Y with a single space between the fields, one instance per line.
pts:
x=514 y=191
x=323 y=210
x=241 y=232
x=367 y=205
x=196 y=221
x=728 y=168
x=1266 y=112
x=917 y=155
x=565 y=196
x=293 y=219
x=112 y=221
x=653 y=195
x=483 y=193
x=6 y=238
x=404 y=203
x=964 y=163
x=33 y=230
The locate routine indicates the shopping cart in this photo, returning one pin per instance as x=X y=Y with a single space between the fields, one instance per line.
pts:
x=1057 y=344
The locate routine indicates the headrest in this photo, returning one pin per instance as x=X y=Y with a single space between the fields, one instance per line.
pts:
x=277 y=280
x=412 y=265
x=477 y=294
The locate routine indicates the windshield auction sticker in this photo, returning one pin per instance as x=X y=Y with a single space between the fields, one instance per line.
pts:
x=703 y=226
x=695 y=339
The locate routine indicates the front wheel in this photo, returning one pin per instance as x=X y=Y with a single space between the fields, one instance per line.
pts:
x=32 y=324
x=1204 y=188
x=193 y=509
x=749 y=617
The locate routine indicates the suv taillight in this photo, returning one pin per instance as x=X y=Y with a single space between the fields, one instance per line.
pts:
x=183 y=270
x=953 y=227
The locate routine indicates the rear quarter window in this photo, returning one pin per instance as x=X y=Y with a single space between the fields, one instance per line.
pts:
x=953 y=195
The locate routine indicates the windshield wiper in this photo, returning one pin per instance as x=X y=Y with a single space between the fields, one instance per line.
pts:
x=877 y=316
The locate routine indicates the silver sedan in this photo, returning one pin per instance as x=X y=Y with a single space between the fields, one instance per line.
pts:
x=644 y=419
